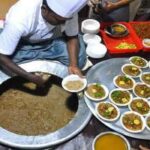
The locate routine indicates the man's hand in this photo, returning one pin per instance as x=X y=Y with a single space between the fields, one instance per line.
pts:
x=109 y=6
x=13 y=69
x=75 y=70
x=39 y=78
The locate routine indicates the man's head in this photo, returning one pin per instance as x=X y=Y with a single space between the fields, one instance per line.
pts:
x=57 y=12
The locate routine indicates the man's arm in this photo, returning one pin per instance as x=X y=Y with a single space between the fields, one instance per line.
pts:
x=109 y=6
x=13 y=69
x=9 y=39
x=73 y=50
x=112 y=6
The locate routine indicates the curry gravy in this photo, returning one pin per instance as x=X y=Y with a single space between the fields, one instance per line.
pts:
x=110 y=142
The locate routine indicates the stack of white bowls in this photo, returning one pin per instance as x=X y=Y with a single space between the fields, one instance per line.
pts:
x=95 y=48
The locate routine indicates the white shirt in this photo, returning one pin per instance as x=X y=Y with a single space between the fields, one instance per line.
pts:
x=24 y=20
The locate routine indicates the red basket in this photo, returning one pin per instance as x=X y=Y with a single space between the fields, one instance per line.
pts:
x=111 y=42
x=142 y=23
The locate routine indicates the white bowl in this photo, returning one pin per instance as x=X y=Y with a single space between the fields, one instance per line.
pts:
x=145 y=73
x=146 y=65
x=137 y=114
x=146 y=118
x=112 y=31
x=136 y=98
x=91 y=26
x=113 y=133
x=97 y=50
x=120 y=104
x=91 y=38
x=73 y=77
x=133 y=76
x=139 y=83
x=109 y=120
x=146 y=43
x=97 y=99
x=115 y=78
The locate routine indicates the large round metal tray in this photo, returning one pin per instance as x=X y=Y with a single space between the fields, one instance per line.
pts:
x=104 y=72
x=80 y=120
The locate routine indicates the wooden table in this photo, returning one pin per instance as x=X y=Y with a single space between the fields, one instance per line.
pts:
x=83 y=141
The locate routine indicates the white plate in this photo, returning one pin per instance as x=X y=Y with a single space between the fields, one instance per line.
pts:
x=118 y=104
x=96 y=50
x=132 y=66
x=73 y=77
x=91 y=38
x=139 y=83
x=115 y=78
x=109 y=120
x=146 y=41
x=148 y=116
x=97 y=99
x=145 y=100
x=142 y=79
x=129 y=130
x=140 y=58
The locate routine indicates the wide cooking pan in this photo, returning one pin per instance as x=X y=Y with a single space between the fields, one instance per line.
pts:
x=76 y=103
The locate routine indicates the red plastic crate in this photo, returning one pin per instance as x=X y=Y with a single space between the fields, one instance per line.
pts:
x=144 y=22
x=111 y=42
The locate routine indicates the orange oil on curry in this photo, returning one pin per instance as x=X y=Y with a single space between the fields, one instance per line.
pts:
x=110 y=142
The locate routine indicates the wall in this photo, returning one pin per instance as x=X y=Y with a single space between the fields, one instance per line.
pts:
x=4 y=7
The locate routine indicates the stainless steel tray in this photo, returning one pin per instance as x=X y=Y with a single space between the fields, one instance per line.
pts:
x=104 y=72
x=80 y=120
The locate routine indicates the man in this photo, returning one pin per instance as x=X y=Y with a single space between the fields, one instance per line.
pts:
x=29 y=34
x=110 y=10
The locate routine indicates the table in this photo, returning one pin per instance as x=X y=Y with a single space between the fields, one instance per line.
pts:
x=83 y=141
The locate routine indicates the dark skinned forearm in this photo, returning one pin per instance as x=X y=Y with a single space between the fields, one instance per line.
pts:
x=13 y=69
x=9 y=66
x=73 y=50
